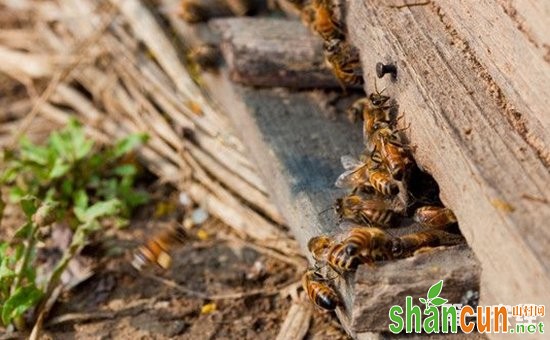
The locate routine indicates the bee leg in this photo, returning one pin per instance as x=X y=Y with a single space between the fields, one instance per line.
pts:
x=368 y=261
x=364 y=219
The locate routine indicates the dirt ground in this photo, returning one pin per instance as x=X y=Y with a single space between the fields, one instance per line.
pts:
x=218 y=286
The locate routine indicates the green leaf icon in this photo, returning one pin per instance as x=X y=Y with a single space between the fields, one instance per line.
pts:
x=435 y=290
x=439 y=301
x=422 y=300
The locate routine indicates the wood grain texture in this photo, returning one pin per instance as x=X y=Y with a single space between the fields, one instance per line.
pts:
x=475 y=91
x=273 y=52
x=391 y=283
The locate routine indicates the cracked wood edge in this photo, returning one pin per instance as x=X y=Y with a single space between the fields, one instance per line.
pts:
x=477 y=125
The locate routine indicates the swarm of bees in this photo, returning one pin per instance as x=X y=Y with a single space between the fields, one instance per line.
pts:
x=373 y=205
x=377 y=200
x=377 y=182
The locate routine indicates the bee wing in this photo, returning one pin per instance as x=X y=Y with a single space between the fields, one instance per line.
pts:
x=345 y=180
x=350 y=162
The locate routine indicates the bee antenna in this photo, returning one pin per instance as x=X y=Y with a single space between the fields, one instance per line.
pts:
x=376 y=88
x=403 y=129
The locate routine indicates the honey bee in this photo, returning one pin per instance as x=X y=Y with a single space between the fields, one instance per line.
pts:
x=318 y=291
x=380 y=179
x=392 y=151
x=193 y=11
x=206 y=56
x=355 y=175
x=364 y=211
x=434 y=217
x=319 y=15
x=157 y=250
x=408 y=244
x=366 y=174
x=373 y=113
x=325 y=250
x=343 y=59
x=370 y=244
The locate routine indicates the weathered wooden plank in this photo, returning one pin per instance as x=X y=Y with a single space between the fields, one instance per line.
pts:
x=276 y=52
x=470 y=88
x=297 y=149
x=380 y=289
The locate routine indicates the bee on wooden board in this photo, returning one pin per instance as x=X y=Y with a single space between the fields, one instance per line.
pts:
x=434 y=217
x=373 y=113
x=380 y=178
x=207 y=56
x=326 y=250
x=156 y=251
x=320 y=16
x=369 y=173
x=393 y=152
x=371 y=243
x=362 y=245
x=343 y=59
x=408 y=244
x=364 y=211
x=193 y=11
x=319 y=291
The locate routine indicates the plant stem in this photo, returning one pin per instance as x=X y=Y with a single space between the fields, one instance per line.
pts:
x=31 y=240
x=2 y=207
x=76 y=243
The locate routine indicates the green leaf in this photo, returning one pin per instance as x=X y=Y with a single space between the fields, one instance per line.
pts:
x=29 y=206
x=59 y=169
x=5 y=271
x=16 y=194
x=422 y=300
x=57 y=142
x=83 y=148
x=18 y=253
x=128 y=143
x=80 y=199
x=34 y=153
x=21 y=300
x=67 y=187
x=137 y=198
x=24 y=231
x=80 y=213
x=435 y=290
x=101 y=209
x=10 y=174
x=3 y=249
x=125 y=170
x=439 y=301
